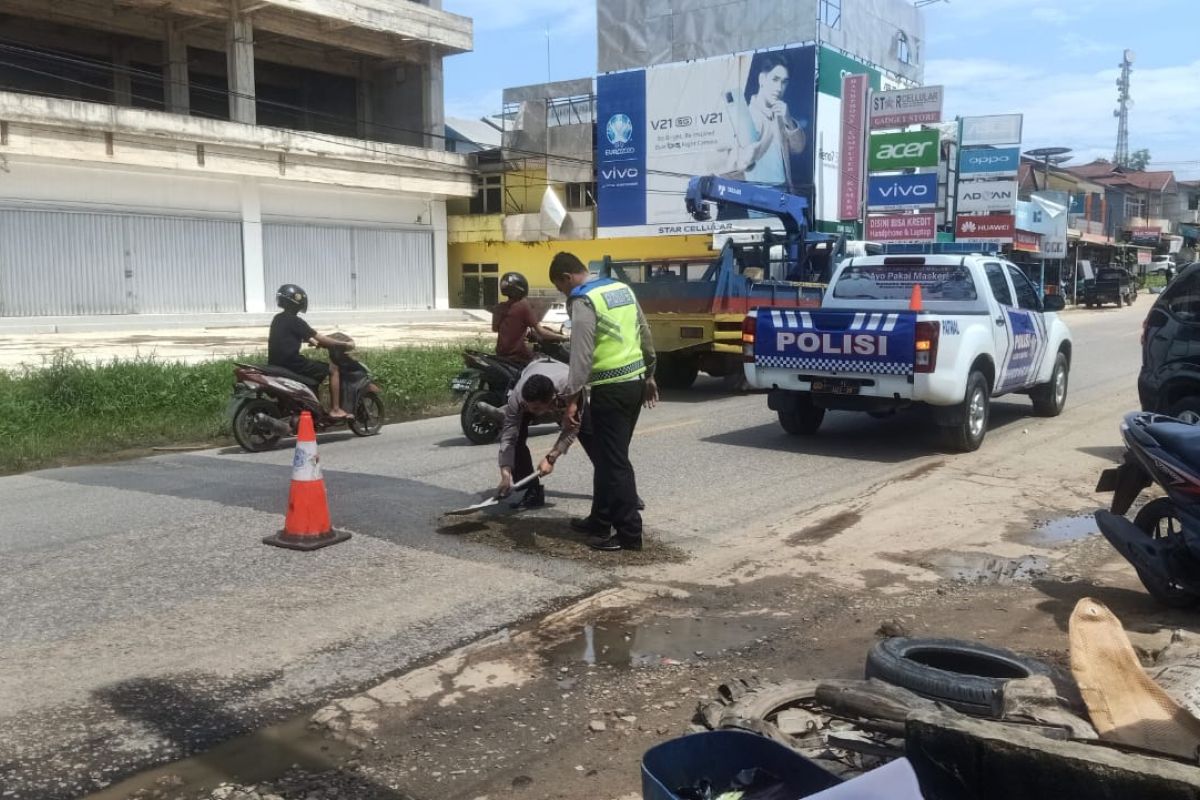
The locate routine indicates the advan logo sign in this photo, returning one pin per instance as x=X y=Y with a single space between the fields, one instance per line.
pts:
x=985 y=197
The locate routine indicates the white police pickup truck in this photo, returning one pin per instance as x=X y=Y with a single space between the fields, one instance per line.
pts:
x=973 y=330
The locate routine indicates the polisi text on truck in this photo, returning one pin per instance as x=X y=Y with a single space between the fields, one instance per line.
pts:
x=861 y=344
x=888 y=152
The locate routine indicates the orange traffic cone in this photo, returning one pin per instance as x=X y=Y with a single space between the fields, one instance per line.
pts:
x=307 y=525
x=914 y=301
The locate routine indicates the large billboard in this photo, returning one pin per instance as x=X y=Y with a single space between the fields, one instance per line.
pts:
x=748 y=117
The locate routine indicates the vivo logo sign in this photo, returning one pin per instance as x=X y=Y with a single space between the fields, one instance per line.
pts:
x=902 y=191
x=619 y=173
x=990 y=162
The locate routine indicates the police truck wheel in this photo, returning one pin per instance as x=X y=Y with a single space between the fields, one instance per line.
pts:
x=803 y=419
x=967 y=433
x=1049 y=398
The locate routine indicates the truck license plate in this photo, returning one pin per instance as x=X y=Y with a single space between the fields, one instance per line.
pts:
x=835 y=387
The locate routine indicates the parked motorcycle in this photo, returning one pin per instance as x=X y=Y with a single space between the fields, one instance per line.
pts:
x=485 y=386
x=1163 y=540
x=267 y=401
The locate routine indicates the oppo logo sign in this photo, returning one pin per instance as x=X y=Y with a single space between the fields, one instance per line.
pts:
x=986 y=161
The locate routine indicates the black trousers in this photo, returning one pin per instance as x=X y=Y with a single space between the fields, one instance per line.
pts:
x=522 y=458
x=605 y=434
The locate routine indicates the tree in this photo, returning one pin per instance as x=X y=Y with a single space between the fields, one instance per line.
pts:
x=1139 y=160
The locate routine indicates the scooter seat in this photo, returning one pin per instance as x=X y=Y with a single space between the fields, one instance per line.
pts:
x=281 y=372
x=1182 y=439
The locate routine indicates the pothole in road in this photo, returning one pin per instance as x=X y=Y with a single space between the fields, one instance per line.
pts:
x=1062 y=531
x=264 y=755
x=659 y=642
x=979 y=568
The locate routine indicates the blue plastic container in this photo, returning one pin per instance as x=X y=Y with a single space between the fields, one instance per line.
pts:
x=718 y=756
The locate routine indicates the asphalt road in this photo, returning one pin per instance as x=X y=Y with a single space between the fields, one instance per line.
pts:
x=144 y=620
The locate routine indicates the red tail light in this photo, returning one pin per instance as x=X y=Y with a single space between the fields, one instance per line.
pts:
x=925 y=357
x=749 y=328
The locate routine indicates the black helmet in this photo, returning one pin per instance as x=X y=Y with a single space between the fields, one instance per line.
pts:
x=513 y=285
x=290 y=296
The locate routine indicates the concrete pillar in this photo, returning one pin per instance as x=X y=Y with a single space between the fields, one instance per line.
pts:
x=366 y=102
x=441 y=254
x=433 y=104
x=122 y=79
x=253 y=266
x=176 y=80
x=240 y=58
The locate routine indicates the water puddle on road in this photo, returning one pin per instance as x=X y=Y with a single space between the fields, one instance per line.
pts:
x=983 y=568
x=659 y=642
x=260 y=756
x=1061 y=531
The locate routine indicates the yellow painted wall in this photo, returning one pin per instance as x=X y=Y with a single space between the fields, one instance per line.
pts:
x=533 y=258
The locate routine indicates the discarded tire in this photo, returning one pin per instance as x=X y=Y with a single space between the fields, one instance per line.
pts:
x=965 y=676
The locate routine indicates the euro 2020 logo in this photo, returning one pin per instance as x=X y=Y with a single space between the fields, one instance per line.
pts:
x=619 y=129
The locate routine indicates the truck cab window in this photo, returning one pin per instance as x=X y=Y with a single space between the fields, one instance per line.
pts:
x=999 y=284
x=1027 y=296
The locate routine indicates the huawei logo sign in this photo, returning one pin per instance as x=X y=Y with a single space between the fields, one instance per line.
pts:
x=969 y=227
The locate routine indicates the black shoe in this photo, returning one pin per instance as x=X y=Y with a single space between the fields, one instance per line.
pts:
x=535 y=497
x=612 y=543
x=590 y=526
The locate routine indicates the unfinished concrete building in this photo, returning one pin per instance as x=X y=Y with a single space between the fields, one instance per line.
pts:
x=175 y=156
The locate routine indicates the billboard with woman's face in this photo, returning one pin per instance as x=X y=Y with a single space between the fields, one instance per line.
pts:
x=749 y=117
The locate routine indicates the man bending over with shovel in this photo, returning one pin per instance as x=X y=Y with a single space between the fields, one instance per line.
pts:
x=535 y=395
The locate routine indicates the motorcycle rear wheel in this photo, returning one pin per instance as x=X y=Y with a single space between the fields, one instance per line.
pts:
x=1158 y=520
x=250 y=434
x=476 y=425
x=368 y=415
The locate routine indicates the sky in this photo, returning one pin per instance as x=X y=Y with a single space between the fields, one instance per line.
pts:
x=1056 y=61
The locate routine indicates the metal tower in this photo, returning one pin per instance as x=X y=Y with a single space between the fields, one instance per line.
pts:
x=1121 y=156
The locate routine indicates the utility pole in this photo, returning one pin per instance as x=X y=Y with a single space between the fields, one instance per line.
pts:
x=1121 y=156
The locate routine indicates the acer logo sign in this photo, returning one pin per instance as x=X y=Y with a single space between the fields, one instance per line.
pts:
x=619 y=173
x=892 y=152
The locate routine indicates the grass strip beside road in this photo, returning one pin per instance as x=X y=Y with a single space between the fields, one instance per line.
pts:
x=70 y=411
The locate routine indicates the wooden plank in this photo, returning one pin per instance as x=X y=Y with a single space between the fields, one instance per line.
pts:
x=957 y=756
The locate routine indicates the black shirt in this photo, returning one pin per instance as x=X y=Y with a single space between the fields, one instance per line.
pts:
x=288 y=333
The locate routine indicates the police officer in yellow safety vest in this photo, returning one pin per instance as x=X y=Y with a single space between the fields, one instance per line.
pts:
x=611 y=352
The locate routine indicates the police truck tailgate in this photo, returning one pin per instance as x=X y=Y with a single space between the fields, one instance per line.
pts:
x=836 y=342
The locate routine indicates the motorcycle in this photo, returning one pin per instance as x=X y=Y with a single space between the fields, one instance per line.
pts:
x=1163 y=540
x=485 y=386
x=267 y=401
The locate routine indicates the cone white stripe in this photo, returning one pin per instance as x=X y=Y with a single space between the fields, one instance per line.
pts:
x=306 y=464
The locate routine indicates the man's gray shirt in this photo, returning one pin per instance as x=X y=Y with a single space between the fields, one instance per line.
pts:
x=557 y=372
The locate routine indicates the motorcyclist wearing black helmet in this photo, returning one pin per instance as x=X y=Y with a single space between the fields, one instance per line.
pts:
x=513 y=320
x=289 y=332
